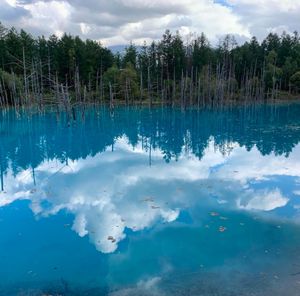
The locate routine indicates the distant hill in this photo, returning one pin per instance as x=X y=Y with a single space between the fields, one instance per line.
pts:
x=121 y=48
x=117 y=48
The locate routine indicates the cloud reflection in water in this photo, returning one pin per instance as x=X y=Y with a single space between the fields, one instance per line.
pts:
x=113 y=191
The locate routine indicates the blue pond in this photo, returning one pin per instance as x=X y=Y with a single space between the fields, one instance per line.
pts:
x=151 y=202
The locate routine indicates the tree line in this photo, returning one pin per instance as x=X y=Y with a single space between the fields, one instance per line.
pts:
x=69 y=71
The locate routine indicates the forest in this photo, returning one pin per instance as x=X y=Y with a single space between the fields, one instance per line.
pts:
x=175 y=71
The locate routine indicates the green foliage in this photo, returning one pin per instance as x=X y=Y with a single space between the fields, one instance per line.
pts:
x=112 y=74
x=60 y=55
x=111 y=77
x=202 y=52
x=273 y=73
x=10 y=80
x=295 y=79
x=171 y=55
x=3 y=31
x=130 y=56
x=170 y=67
x=128 y=80
x=288 y=69
x=12 y=84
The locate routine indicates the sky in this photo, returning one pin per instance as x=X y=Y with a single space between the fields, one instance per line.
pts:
x=118 y=22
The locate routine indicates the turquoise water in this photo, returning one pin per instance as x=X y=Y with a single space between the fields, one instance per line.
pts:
x=151 y=202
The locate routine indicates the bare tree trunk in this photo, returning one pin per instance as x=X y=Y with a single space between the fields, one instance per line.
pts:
x=191 y=86
x=141 y=87
x=149 y=88
x=25 y=77
x=110 y=96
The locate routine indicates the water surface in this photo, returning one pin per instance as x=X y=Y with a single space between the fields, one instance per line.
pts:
x=151 y=202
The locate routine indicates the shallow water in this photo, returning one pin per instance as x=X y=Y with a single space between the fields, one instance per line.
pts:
x=151 y=202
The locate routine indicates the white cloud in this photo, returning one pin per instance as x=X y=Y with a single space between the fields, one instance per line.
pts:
x=263 y=16
x=265 y=201
x=85 y=29
x=259 y=167
x=121 y=21
x=105 y=203
x=269 y=5
x=47 y=18
x=296 y=192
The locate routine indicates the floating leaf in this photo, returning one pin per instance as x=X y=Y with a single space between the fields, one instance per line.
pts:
x=222 y=228
x=223 y=218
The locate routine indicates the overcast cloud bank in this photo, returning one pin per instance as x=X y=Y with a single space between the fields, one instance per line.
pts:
x=121 y=21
